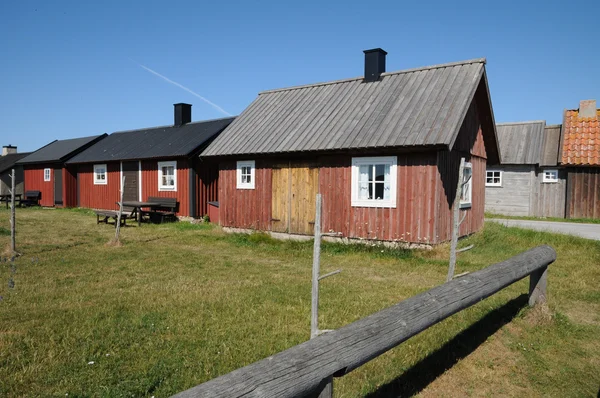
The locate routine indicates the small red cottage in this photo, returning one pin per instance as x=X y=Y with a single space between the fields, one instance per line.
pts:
x=383 y=150
x=45 y=170
x=157 y=161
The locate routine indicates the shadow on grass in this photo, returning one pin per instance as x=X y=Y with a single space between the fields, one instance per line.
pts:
x=428 y=369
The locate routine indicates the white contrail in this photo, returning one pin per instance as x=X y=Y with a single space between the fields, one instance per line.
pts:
x=217 y=107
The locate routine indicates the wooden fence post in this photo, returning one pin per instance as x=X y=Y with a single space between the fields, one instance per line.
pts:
x=13 y=226
x=118 y=221
x=456 y=221
x=538 y=281
x=326 y=387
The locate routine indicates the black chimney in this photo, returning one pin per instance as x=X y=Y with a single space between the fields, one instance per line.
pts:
x=183 y=114
x=374 y=64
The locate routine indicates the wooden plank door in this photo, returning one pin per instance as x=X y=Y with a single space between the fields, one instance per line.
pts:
x=295 y=187
x=58 y=184
x=304 y=188
x=280 y=198
x=131 y=172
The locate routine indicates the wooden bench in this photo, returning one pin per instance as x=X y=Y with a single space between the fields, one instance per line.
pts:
x=106 y=214
x=31 y=198
x=163 y=209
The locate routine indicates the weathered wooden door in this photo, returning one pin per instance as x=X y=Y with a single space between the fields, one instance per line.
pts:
x=131 y=172
x=295 y=187
x=58 y=185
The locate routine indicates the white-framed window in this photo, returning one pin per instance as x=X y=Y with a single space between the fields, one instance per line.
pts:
x=374 y=181
x=100 y=174
x=167 y=176
x=46 y=174
x=245 y=174
x=550 y=175
x=467 y=186
x=493 y=178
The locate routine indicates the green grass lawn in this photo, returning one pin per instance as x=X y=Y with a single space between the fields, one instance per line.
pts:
x=556 y=219
x=179 y=304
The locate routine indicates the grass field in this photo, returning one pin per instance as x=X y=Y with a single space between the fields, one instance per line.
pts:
x=555 y=219
x=179 y=304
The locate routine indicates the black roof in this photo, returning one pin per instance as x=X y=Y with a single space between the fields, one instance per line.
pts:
x=61 y=150
x=154 y=142
x=8 y=161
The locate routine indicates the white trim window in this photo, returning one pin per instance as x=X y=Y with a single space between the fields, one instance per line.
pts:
x=493 y=178
x=167 y=176
x=100 y=174
x=550 y=176
x=374 y=181
x=245 y=174
x=466 y=195
x=47 y=175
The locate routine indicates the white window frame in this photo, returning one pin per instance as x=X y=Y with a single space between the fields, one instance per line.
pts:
x=47 y=175
x=98 y=181
x=240 y=165
x=392 y=161
x=547 y=179
x=161 y=187
x=467 y=202
x=493 y=184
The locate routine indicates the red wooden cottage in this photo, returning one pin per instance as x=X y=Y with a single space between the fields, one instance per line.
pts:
x=383 y=150
x=45 y=170
x=156 y=161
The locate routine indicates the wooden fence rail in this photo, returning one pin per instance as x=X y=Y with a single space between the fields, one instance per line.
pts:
x=304 y=369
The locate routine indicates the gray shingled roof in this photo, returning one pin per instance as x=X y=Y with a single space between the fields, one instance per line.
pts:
x=155 y=142
x=60 y=150
x=417 y=107
x=521 y=142
x=551 y=146
x=8 y=161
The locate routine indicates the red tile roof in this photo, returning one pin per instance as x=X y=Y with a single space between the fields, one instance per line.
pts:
x=581 y=139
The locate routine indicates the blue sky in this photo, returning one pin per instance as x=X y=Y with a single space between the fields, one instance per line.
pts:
x=73 y=69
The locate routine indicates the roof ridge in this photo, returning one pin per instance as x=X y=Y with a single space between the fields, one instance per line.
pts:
x=170 y=125
x=398 y=72
x=525 y=122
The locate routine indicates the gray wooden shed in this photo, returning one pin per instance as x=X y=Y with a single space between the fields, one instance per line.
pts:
x=529 y=181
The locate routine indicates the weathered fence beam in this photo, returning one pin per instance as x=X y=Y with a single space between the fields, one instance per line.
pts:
x=303 y=369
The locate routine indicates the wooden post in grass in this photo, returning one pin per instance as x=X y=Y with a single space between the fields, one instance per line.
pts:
x=456 y=222
x=13 y=226
x=316 y=270
x=326 y=387
x=538 y=281
x=118 y=226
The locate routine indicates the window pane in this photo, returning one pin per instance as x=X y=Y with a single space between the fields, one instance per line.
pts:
x=380 y=172
x=363 y=173
x=363 y=190
x=387 y=191
x=370 y=168
x=379 y=190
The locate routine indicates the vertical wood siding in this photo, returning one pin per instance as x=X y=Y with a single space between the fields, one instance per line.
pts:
x=413 y=218
x=69 y=186
x=207 y=186
x=99 y=196
x=150 y=183
x=245 y=208
x=34 y=181
x=513 y=198
x=548 y=199
x=583 y=192
x=449 y=163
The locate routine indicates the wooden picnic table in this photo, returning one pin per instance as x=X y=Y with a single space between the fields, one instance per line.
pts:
x=137 y=205
x=7 y=199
